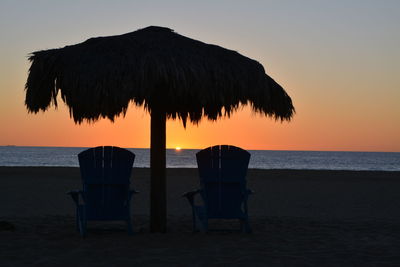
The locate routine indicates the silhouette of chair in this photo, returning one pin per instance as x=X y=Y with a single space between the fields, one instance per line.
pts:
x=222 y=171
x=105 y=196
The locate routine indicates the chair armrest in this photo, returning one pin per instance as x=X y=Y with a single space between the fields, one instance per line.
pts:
x=75 y=195
x=247 y=193
x=190 y=195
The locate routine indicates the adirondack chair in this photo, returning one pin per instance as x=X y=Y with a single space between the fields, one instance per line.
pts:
x=223 y=191
x=105 y=196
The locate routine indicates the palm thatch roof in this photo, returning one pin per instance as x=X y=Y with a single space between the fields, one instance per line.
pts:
x=154 y=67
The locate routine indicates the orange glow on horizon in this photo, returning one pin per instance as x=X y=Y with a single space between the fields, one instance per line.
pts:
x=244 y=129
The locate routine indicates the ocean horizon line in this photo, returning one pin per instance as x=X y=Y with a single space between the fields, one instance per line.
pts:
x=263 y=159
x=183 y=148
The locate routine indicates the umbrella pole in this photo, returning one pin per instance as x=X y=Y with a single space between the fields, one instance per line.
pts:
x=158 y=201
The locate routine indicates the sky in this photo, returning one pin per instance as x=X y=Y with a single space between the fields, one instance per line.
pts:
x=338 y=60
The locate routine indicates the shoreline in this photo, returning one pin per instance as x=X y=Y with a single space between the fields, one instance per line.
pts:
x=189 y=168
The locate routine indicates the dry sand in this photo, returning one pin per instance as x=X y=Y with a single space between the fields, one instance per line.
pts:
x=299 y=218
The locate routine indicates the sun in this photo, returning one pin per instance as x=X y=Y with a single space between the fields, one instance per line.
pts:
x=178 y=148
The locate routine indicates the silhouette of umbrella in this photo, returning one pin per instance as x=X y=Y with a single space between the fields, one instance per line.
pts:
x=172 y=76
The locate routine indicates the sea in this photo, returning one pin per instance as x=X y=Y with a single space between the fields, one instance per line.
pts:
x=186 y=158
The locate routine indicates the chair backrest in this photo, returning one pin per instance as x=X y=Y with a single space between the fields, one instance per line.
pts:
x=222 y=171
x=106 y=173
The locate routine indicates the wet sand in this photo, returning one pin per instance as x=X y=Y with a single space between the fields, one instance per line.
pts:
x=299 y=218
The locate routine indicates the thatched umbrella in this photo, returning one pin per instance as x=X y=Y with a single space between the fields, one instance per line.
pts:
x=172 y=76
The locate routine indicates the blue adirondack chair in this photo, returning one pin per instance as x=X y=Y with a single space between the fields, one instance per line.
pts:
x=223 y=191
x=106 y=195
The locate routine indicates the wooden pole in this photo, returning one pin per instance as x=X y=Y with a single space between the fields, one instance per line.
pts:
x=158 y=199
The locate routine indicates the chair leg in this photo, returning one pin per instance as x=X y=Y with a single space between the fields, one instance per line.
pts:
x=82 y=222
x=200 y=219
x=82 y=227
x=245 y=226
x=77 y=220
x=129 y=226
x=194 y=226
x=200 y=225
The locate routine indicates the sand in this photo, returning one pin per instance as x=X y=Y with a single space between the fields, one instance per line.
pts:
x=299 y=218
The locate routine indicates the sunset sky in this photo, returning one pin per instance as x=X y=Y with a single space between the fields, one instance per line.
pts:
x=338 y=60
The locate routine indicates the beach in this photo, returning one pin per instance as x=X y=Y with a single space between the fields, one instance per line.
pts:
x=299 y=218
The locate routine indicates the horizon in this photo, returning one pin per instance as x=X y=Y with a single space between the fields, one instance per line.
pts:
x=338 y=61
x=191 y=148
